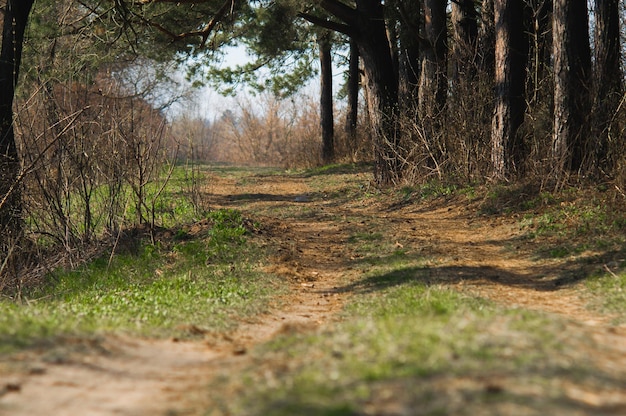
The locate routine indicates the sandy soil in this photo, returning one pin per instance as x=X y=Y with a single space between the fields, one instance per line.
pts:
x=125 y=376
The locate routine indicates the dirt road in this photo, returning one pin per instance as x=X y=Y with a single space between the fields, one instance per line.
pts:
x=308 y=226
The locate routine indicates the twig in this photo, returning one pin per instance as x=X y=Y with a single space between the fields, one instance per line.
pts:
x=610 y=271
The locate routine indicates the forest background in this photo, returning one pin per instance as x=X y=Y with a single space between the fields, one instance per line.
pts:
x=460 y=92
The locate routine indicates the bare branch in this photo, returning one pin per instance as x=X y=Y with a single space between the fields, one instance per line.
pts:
x=204 y=33
x=341 y=11
x=328 y=24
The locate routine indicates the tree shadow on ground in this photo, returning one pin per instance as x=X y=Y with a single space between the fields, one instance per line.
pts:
x=237 y=199
x=541 y=278
x=463 y=394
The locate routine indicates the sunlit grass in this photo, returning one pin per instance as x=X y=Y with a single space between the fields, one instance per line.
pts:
x=403 y=339
x=608 y=294
x=154 y=291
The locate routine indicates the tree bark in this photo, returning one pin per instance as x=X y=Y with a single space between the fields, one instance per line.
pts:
x=572 y=70
x=487 y=41
x=15 y=21
x=433 y=80
x=465 y=35
x=382 y=83
x=433 y=88
x=608 y=76
x=352 y=110
x=326 y=98
x=511 y=51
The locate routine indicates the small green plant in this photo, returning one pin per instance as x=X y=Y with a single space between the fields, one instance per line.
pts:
x=436 y=189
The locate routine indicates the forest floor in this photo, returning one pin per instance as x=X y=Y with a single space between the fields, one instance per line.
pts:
x=308 y=221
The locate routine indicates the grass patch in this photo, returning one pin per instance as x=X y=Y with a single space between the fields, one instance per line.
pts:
x=608 y=294
x=187 y=280
x=409 y=346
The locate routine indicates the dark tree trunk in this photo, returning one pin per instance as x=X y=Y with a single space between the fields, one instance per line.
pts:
x=365 y=24
x=409 y=65
x=487 y=41
x=394 y=43
x=326 y=98
x=572 y=70
x=382 y=84
x=434 y=82
x=540 y=30
x=507 y=149
x=15 y=20
x=352 y=110
x=433 y=88
x=465 y=34
x=608 y=76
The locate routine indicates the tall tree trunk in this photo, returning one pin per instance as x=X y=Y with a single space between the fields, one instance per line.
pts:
x=572 y=70
x=608 y=75
x=394 y=43
x=365 y=24
x=433 y=86
x=382 y=83
x=487 y=41
x=352 y=110
x=434 y=83
x=507 y=149
x=15 y=20
x=409 y=66
x=326 y=97
x=465 y=35
x=540 y=30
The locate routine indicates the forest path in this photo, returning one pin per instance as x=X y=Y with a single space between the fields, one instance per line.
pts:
x=309 y=221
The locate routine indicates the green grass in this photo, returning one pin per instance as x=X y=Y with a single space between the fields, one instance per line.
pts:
x=153 y=290
x=167 y=201
x=608 y=294
x=404 y=340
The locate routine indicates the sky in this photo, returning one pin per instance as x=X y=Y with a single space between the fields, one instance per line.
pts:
x=209 y=104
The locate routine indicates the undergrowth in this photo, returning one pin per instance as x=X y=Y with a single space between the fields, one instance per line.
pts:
x=156 y=289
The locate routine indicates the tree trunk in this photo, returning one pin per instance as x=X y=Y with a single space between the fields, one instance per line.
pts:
x=608 y=76
x=433 y=81
x=507 y=149
x=572 y=70
x=352 y=110
x=487 y=41
x=394 y=43
x=365 y=24
x=409 y=65
x=465 y=35
x=433 y=86
x=326 y=98
x=382 y=83
x=15 y=20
